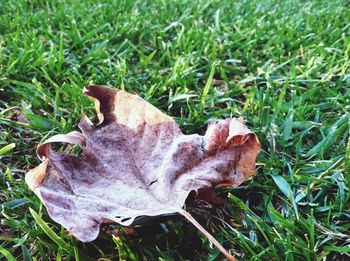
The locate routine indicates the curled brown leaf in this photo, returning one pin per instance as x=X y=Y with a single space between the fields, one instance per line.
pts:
x=136 y=162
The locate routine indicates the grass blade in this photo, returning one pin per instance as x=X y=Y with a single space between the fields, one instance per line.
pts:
x=283 y=185
x=7 y=148
x=50 y=233
x=7 y=254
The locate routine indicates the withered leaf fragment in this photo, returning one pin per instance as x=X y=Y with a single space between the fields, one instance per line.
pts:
x=136 y=162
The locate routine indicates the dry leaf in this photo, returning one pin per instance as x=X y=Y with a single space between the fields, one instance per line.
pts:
x=136 y=162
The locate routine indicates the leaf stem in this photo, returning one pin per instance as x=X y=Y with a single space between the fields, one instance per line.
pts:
x=207 y=234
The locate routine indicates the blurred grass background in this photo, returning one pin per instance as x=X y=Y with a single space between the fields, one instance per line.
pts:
x=282 y=65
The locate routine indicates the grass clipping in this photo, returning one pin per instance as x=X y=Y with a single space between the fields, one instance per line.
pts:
x=137 y=162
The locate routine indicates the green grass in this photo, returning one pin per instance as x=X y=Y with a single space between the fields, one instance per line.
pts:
x=284 y=67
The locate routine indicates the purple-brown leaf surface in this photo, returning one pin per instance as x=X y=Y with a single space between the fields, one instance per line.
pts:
x=136 y=162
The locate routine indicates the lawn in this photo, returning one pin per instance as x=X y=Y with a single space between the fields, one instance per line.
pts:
x=282 y=65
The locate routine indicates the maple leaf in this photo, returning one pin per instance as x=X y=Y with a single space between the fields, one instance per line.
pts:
x=136 y=162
